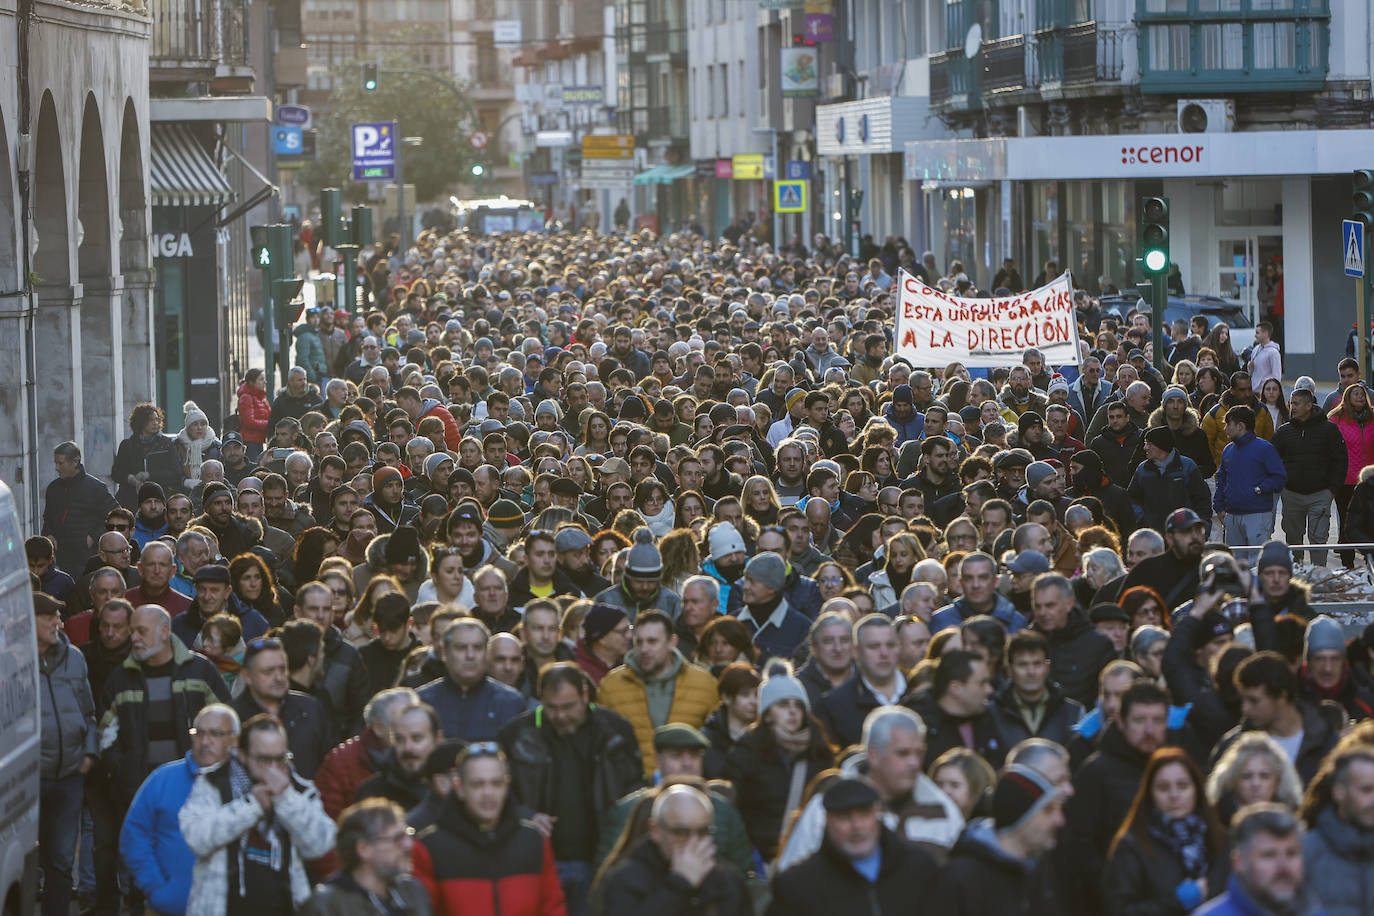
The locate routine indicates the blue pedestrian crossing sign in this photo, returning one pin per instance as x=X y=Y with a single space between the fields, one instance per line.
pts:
x=1352 y=244
x=789 y=196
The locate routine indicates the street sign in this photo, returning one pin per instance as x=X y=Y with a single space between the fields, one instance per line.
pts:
x=478 y=139
x=506 y=33
x=789 y=196
x=747 y=166
x=608 y=146
x=296 y=115
x=374 y=151
x=286 y=141
x=798 y=170
x=1352 y=243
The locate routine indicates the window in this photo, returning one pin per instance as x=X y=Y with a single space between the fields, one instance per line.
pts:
x=725 y=90
x=1234 y=45
x=710 y=91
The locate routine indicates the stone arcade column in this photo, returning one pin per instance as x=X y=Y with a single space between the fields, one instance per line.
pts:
x=59 y=391
x=101 y=371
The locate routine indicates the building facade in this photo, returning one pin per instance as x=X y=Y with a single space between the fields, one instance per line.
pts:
x=76 y=285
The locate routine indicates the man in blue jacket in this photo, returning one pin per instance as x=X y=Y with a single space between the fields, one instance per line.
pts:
x=471 y=706
x=154 y=852
x=1249 y=480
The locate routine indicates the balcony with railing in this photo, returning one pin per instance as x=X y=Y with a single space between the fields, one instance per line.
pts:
x=956 y=81
x=1078 y=54
x=199 y=40
x=666 y=40
x=1005 y=65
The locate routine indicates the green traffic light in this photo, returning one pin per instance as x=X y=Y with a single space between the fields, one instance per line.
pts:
x=477 y=170
x=369 y=77
x=264 y=257
x=1155 y=260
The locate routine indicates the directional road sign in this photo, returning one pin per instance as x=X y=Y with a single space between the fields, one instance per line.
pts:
x=789 y=196
x=374 y=151
x=1352 y=244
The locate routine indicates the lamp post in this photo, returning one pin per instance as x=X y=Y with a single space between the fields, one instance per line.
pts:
x=777 y=227
x=404 y=226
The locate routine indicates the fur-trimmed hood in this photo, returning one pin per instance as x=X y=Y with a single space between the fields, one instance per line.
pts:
x=1191 y=421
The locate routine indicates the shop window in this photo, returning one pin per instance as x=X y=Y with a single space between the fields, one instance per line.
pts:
x=1233 y=45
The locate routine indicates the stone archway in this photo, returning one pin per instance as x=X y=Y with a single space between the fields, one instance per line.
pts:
x=101 y=368
x=57 y=322
x=140 y=380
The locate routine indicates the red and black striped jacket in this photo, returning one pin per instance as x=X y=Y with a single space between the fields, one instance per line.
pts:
x=508 y=871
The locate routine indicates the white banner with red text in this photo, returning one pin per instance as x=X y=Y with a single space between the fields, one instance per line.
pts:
x=935 y=328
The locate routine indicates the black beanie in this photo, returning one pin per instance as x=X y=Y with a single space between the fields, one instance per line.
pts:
x=633 y=408
x=1020 y=792
x=1161 y=437
x=600 y=620
x=151 y=490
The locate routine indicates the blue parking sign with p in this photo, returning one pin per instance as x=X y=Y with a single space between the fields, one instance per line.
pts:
x=374 y=151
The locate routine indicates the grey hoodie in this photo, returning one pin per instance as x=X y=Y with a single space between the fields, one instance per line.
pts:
x=658 y=693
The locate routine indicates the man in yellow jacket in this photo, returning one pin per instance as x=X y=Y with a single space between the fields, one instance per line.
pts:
x=1240 y=393
x=656 y=685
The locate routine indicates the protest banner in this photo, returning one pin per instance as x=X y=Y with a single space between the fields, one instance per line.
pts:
x=935 y=328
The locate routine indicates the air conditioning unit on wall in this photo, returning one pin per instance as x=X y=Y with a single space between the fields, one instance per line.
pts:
x=1206 y=116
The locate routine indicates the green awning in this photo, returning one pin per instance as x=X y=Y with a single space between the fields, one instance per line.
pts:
x=664 y=174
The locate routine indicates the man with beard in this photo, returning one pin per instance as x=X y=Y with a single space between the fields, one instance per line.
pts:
x=235 y=533
x=234 y=457
x=374 y=847
x=1175 y=571
x=150 y=522
x=387 y=501
x=1120 y=445
x=1267 y=870
x=268 y=690
x=251 y=505
x=465 y=525
x=790 y=482
x=573 y=545
x=278 y=509
x=400 y=777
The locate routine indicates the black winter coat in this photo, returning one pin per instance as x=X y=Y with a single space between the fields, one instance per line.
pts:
x=1078 y=653
x=618 y=766
x=1061 y=714
x=1321 y=723
x=826 y=882
x=158 y=458
x=1103 y=790
x=1120 y=454
x=74 y=510
x=643 y=885
x=979 y=880
x=1140 y=879
x=307 y=733
x=763 y=778
x=942 y=729
x=1180 y=485
x=343 y=688
x=1188 y=683
x=1313 y=453
x=842 y=711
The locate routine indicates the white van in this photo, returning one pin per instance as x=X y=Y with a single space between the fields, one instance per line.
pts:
x=19 y=739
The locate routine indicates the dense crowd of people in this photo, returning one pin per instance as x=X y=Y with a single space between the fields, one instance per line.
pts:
x=621 y=575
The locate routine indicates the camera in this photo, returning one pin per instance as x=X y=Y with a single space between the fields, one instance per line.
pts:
x=1225 y=576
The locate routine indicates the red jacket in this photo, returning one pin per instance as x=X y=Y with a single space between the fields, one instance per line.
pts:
x=344 y=769
x=508 y=871
x=452 y=434
x=254 y=412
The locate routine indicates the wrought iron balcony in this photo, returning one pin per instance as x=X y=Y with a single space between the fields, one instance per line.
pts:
x=1005 y=64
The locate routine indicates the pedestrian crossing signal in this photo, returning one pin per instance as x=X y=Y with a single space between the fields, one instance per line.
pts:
x=789 y=196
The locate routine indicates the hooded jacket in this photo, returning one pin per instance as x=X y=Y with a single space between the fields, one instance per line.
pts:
x=254 y=412
x=68 y=711
x=376 y=563
x=982 y=879
x=955 y=613
x=430 y=407
x=1120 y=452
x=342 y=688
x=1056 y=722
x=1035 y=401
x=345 y=768
x=665 y=600
x=187 y=625
x=685 y=693
x=822 y=361
x=643 y=883
x=389 y=519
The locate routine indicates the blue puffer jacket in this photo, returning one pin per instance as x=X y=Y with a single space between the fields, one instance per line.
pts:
x=1246 y=464
x=151 y=842
x=476 y=714
x=952 y=615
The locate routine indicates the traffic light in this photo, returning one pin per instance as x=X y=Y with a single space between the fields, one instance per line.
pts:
x=1362 y=200
x=1154 y=235
x=362 y=226
x=331 y=216
x=369 y=77
x=478 y=170
x=259 y=249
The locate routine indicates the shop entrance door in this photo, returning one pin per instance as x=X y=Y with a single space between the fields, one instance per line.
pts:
x=1240 y=256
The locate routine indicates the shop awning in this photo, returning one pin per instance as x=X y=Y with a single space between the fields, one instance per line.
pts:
x=664 y=174
x=181 y=171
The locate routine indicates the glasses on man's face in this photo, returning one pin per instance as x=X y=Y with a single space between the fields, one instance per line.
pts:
x=118 y=526
x=124 y=549
x=278 y=760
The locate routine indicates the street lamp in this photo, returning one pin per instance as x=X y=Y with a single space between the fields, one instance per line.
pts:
x=401 y=189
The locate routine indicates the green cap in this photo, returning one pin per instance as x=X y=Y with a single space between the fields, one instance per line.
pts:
x=679 y=736
x=505 y=514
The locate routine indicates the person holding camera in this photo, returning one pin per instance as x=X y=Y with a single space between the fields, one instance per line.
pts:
x=1227 y=597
